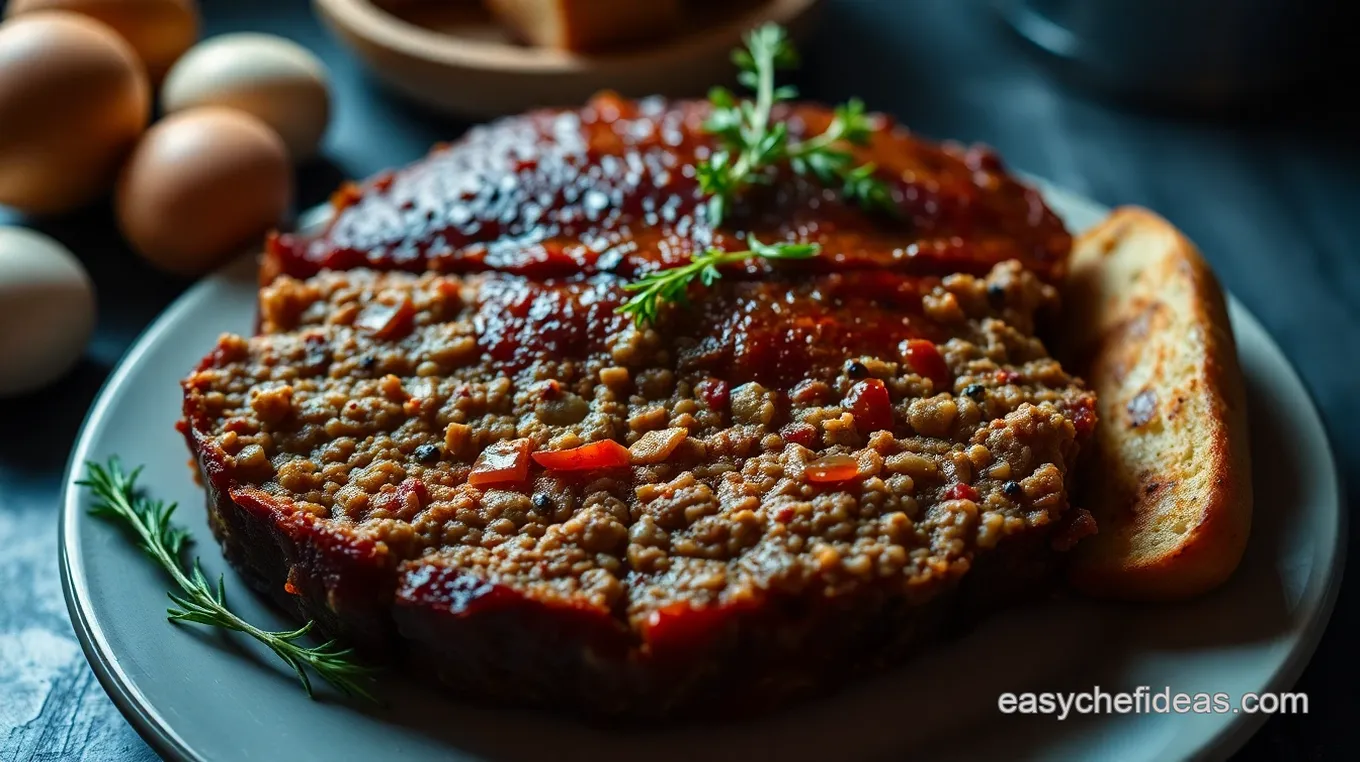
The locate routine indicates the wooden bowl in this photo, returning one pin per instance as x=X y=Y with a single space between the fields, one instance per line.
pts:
x=452 y=57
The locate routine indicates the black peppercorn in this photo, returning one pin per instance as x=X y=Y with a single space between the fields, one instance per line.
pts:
x=856 y=369
x=318 y=357
x=542 y=502
x=996 y=294
x=1012 y=489
x=427 y=453
x=976 y=391
x=368 y=362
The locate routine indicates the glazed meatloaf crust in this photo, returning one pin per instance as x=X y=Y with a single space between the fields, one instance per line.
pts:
x=446 y=446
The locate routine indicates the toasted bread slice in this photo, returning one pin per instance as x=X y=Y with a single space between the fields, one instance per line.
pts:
x=1170 y=487
x=585 y=24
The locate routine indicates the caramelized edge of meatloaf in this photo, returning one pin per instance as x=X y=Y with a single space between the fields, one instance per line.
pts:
x=612 y=187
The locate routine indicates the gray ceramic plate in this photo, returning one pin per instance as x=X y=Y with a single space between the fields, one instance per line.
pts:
x=196 y=694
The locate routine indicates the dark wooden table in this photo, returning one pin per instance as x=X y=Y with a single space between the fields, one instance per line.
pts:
x=1272 y=196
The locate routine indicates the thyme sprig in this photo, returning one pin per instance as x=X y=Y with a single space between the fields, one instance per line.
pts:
x=751 y=141
x=118 y=498
x=672 y=285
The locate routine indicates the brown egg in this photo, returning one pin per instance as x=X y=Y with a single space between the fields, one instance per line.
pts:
x=73 y=99
x=159 y=30
x=200 y=186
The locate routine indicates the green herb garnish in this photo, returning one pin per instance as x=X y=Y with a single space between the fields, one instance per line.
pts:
x=751 y=142
x=672 y=285
x=118 y=498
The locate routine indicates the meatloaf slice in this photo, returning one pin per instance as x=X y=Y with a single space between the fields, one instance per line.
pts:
x=497 y=476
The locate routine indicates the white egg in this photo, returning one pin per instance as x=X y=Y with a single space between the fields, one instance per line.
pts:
x=46 y=310
x=271 y=78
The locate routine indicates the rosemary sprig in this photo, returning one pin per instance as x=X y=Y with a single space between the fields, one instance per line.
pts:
x=672 y=285
x=751 y=141
x=118 y=498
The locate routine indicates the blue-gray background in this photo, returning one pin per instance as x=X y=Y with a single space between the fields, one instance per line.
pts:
x=1272 y=195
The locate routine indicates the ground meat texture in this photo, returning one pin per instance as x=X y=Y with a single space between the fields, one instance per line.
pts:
x=813 y=463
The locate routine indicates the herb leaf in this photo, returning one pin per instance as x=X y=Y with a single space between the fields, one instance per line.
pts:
x=750 y=142
x=672 y=285
x=118 y=498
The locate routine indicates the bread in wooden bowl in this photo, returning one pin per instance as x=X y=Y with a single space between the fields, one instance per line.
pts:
x=585 y=24
x=1171 y=485
x=457 y=57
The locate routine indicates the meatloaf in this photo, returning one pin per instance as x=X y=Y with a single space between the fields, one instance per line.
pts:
x=448 y=448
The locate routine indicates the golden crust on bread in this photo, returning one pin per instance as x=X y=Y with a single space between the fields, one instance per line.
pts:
x=1170 y=487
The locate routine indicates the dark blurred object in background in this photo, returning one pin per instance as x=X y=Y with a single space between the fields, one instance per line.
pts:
x=1196 y=53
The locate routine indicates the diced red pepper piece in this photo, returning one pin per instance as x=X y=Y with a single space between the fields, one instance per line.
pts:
x=605 y=453
x=832 y=468
x=925 y=360
x=714 y=392
x=1083 y=418
x=960 y=491
x=503 y=462
x=799 y=433
x=409 y=496
x=1007 y=376
x=387 y=321
x=869 y=402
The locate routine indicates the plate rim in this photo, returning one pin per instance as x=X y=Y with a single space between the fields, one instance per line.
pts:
x=150 y=724
x=1235 y=733
x=135 y=708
